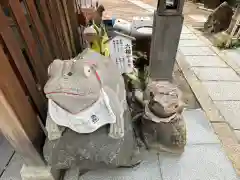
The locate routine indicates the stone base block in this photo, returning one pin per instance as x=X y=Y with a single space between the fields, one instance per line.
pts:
x=72 y=174
x=39 y=173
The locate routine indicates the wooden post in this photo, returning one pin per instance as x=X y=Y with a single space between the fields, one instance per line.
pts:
x=7 y=35
x=64 y=26
x=50 y=29
x=32 y=47
x=74 y=24
x=167 y=26
x=54 y=13
x=18 y=121
x=48 y=57
x=69 y=27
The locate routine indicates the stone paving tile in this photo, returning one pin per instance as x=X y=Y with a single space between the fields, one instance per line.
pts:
x=13 y=170
x=216 y=74
x=237 y=133
x=197 y=51
x=123 y=9
x=188 y=36
x=147 y=170
x=233 y=54
x=6 y=152
x=229 y=143
x=198 y=162
x=230 y=110
x=198 y=18
x=199 y=130
x=191 y=43
x=222 y=90
x=205 y=61
x=143 y=5
x=185 y=30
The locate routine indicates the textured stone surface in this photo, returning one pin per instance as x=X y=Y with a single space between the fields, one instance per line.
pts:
x=147 y=170
x=191 y=43
x=198 y=18
x=198 y=162
x=37 y=173
x=6 y=152
x=205 y=61
x=199 y=130
x=13 y=170
x=185 y=30
x=215 y=74
x=197 y=51
x=188 y=36
x=123 y=9
x=223 y=90
x=234 y=55
x=230 y=110
x=237 y=133
x=72 y=174
x=163 y=50
x=229 y=143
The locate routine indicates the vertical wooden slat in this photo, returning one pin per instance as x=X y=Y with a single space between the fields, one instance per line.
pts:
x=38 y=26
x=15 y=134
x=69 y=27
x=57 y=24
x=20 y=62
x=32 y=48
x=18 y=121
x=74 y=24
x=64 y=26
x=50 y=29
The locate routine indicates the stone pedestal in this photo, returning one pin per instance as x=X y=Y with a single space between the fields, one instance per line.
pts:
x=39 y=173
x=165 y=39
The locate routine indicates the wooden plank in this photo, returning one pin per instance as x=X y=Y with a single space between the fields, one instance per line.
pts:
x=69 y=27
x=48 y=57
x=74 y=25
x=20 y=62
x=19 y=122
x=50 y=29
x=64 y=26
x=4 y=3
x=57 y=24
x=32 y=47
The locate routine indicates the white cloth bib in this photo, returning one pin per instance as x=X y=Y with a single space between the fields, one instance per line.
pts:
x=86 y=121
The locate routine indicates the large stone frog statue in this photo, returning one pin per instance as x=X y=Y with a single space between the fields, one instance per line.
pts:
x=77 y=90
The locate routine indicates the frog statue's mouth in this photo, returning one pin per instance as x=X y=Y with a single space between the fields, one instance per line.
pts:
x=73 y=102
x=73 y=93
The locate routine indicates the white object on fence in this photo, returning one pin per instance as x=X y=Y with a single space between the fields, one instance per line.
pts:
x=121 y=52
x=123 y=26
x=86 y=3
x=142 y=26
x=235 y=34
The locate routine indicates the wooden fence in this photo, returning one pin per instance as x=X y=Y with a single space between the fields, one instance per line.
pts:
x=32 y=34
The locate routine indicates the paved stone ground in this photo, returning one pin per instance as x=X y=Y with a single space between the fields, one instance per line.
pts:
x=209 y=70
x=122 y=9
x=219 y=81
x=203 y=158
x=216 y=73
x=10 y=162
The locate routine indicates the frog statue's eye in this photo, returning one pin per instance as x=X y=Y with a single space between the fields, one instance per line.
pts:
x=87 y=70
